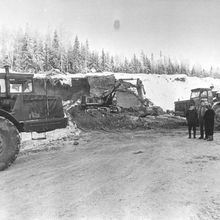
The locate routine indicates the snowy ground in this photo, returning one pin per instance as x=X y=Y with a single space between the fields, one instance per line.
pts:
x=152 y=174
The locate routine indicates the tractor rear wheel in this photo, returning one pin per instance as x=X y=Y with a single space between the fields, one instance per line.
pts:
x=9 y=143
x=216 y=108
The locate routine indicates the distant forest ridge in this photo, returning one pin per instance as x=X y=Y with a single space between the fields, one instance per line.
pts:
x=32 y=53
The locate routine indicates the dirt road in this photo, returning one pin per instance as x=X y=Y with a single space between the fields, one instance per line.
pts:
x=130 y=175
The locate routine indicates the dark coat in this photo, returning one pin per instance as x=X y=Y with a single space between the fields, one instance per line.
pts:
x=192 y=116
x=209 y=118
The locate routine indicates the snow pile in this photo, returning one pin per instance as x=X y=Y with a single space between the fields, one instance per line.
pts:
x=64 y=78
x=162 y=90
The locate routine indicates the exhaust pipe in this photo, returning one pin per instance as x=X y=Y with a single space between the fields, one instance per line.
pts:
x=7 y=69
x=7 y=84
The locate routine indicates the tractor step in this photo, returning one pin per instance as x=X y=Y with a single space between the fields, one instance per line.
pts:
x=38 y=136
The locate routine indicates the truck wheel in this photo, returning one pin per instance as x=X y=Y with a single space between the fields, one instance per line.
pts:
x=9 y=143
x=216 y=108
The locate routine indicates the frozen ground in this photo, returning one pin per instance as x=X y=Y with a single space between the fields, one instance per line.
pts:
x=152 y=174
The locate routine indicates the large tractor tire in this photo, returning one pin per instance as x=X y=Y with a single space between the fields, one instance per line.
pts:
x=9 y=143
x=216 y=108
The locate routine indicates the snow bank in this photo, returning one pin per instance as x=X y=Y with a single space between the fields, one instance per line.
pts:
x=63 y=78
x=162 y=90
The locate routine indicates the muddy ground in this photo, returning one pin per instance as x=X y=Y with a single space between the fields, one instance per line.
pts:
x=152 y=174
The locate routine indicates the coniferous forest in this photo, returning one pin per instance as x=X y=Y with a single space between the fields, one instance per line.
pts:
x=29 y=52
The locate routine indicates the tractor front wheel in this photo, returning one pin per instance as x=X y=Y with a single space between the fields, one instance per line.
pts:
x=9 y=143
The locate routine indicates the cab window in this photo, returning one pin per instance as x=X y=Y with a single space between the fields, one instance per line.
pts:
x=21 y=87
x=195 y=94
x=209 y=94
x=27 y=86
x=15 y=88
x=204 y=94
x=2 y=86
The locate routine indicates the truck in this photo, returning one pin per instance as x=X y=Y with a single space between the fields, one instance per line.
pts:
x=198 y=94
x=21 y=110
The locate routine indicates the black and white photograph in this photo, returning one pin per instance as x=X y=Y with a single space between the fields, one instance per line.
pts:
x=109 y=109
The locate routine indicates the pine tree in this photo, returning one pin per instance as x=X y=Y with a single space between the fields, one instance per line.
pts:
x=153 y=65
x=26 y=59
x=34 y=52
x=160 y=67
x=70 y=59
x=112 y=64
x=54 y=58
x=126 y=66
x=107 y=62
x=76 y=56
x=193 y=71
x=86 y=56
x=16 y=58
x=183 y=69
x=117 y=64
x=3 y=50
x=146 y=65
x=135 y=65
x=47 y=53
x=63 y=60
x=170 y=68
x=40 y=58
x=94 y=64
x=84 y=52
x=103 y=61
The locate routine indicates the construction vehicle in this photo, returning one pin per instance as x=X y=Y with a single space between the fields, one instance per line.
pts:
x=105 y=102
x=198 y=94
x=23 y=111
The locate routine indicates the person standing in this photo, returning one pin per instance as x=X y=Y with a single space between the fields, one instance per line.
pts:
x=201 y=113
x=209 y=119
x=192 y=119
x=140 y=89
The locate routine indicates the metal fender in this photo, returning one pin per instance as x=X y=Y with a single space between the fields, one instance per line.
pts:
x=10 y=117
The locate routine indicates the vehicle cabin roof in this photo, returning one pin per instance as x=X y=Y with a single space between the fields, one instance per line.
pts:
x=200 y=89
x=17 y=75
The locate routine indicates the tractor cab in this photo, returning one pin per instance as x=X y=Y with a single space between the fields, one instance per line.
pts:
x=33 y=112
x=199 y=94
x=15 y=83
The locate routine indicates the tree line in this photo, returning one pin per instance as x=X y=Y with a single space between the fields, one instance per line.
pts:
x=30 y=53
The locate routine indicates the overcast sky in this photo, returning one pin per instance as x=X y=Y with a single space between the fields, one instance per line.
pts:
x=183 y=29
